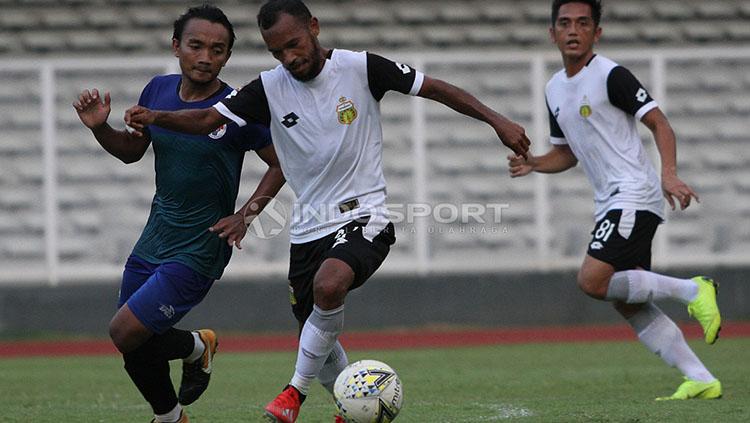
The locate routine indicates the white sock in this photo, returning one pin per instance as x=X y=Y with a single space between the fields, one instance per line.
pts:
x=319 y=335
x=662 y=336
x=335 y=363
x=170 y=417
x=198 y=349
x=641 y=286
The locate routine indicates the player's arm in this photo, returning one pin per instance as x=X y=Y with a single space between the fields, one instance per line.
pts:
x=560 y=158
x=234 y=227
x=192 y=121
x=510 y=133
x=629 y=95
x=666 y=143
x=93 y=112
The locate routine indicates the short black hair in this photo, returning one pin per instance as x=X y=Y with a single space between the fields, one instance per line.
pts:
x=270 y=11
x=596 y=9
x=207 y=12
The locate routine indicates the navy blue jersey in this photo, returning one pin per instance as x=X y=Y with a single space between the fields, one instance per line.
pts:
x=197 y=181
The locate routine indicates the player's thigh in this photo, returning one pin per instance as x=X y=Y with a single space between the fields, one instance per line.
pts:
x=361 y=244
x=365 y=249
x=168 y=295
x=304 y=261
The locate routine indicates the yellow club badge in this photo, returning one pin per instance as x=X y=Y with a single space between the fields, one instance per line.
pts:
x=585 y=109
x=346 y=111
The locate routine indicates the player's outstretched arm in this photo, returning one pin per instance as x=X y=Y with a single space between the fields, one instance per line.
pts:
x=559 y=159
x=510 y=133
x=192 y=121
x=93 y=110
x=672 y=186
x=233 y=228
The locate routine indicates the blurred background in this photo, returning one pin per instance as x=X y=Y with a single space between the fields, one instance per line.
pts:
x=474 y=247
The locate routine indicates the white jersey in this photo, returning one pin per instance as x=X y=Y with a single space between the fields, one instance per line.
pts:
x=328 y=136
x=595 y=112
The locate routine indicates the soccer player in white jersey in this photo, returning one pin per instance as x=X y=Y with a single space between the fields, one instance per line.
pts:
x=593 y=107
x=323 y=107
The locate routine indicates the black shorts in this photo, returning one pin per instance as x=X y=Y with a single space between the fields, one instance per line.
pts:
x=347 y=244
x=623 y=239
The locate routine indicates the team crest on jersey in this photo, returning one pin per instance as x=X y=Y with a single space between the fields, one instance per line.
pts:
x=346 y=111
x=219 y=132
x=585 y=109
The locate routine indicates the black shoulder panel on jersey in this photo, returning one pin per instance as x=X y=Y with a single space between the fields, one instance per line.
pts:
x=384 y=75
x=250 y=103
x=625 y=91
x=554 y=127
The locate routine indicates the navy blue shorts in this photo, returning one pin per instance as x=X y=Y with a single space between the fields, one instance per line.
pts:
x=161 y=294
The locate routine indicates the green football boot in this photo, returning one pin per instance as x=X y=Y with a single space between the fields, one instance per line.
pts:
x=704 y=308
x=692 y=389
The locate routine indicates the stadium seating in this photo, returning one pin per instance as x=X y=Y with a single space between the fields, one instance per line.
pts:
x=102 y=204
x=45 y=27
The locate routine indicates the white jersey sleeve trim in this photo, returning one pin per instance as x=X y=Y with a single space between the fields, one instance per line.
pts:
x=221 y=108
x=651 y=105
x=418 y=81
x=558 y=141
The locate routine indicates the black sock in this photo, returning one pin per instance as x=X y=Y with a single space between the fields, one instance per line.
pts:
x=153 y=381
x=170 y=345
x=148 y=367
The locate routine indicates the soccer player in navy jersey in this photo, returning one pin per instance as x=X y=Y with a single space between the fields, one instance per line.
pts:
x=192 y=227
x=594 y=105
x=323 y=108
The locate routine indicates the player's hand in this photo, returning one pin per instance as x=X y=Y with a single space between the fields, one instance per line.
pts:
x=513 y=136
x=232 y=228
x=519 y=165
x=137 y=118
x=675 y=189
x=92 y=109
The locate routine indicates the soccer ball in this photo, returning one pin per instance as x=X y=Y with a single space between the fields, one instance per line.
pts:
x=368 y=391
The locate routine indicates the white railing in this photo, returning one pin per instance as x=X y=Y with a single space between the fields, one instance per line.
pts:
x=420 y=262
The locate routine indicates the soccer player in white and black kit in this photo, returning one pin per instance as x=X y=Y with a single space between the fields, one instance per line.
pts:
x=593 y=107
x=323 y=108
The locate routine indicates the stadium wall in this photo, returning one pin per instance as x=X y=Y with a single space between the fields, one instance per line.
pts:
x=457 y=300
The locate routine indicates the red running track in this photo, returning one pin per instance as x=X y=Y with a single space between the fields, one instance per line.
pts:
x=386 y=340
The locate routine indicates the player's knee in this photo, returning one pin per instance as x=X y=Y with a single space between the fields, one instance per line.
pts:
x=122 y=337
x=592 y=287
x=330 y=293
x=118 y=336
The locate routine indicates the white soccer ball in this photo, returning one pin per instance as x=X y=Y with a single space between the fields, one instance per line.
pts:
x=368 y=391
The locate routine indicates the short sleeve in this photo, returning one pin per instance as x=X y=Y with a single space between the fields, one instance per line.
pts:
x=146 y=95
x=555 y=132
x=255 y=137
x=628 y=94
x=384 y=75
x=249 y=104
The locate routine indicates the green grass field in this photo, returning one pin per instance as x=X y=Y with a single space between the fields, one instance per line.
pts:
x=576 y=382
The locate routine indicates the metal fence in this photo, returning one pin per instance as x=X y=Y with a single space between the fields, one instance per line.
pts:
x=70 y=213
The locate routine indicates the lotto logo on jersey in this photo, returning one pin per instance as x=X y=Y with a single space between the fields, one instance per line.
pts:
x=346 y=111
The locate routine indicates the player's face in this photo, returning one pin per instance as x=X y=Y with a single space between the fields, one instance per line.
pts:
x=294 y=43
x=203 y=50
x=575 y=32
